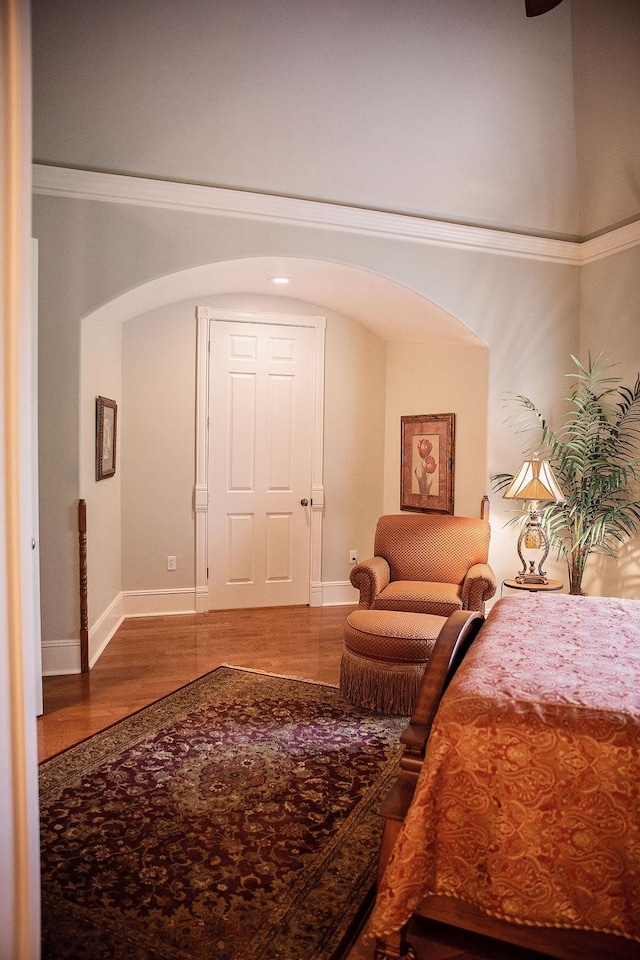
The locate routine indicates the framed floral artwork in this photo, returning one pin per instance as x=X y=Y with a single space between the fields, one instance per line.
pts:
x=106 y=424
x=427 y=462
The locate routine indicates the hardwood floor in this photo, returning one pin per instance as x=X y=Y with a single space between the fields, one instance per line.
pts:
x=150 y=657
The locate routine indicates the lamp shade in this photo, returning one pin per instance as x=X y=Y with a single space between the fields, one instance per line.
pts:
x=534 y=481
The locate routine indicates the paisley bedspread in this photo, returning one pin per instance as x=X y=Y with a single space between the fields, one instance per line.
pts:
x=528 y=803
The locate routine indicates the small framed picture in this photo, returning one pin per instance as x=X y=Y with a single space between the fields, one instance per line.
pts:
x=427 y=462
x=106 y=432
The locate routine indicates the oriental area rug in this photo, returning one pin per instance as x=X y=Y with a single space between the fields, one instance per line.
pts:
x=235 y=819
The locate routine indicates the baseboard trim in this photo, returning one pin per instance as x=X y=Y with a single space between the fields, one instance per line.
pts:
x=339 y=593
x=330 y=594
x=104 y=628
x=60 y=658
x=202 y=599
x=160 y=603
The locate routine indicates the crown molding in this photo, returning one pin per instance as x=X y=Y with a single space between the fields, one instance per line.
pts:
x=614 y=241
x=116 y=188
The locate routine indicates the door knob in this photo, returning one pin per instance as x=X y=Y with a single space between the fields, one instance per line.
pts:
x=304 y=502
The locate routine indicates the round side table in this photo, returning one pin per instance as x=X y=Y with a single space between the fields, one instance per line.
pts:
x=549 y=587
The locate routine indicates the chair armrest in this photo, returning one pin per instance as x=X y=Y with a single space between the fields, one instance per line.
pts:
x=370 y=577
x=478 y=585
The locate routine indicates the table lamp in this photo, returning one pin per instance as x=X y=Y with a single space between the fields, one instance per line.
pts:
x=535 y=483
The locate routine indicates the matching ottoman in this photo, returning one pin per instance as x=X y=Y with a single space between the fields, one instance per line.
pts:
x=385 y=653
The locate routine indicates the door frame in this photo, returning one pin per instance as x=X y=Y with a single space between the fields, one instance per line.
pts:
x=204 y=315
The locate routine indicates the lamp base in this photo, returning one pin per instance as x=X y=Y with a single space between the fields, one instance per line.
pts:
x=530 y=578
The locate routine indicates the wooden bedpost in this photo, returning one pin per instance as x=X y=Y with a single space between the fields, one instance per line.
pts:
x=485 y=507
x=452 y=643
x=84 y=606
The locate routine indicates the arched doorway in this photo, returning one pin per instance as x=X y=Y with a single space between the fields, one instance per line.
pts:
x=420 y=342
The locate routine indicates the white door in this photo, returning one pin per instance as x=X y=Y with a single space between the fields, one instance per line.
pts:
x=261 y=419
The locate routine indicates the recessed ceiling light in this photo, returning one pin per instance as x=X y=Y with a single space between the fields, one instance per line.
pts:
x=280 y=279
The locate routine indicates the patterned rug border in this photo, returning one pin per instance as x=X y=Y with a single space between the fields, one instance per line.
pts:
x=278 y=676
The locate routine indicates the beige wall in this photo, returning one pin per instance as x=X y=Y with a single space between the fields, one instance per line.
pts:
x=100 y=354
x=440 y=378
x=158 y=448
x=610 y=294
x=354 y=443
x=611 y=325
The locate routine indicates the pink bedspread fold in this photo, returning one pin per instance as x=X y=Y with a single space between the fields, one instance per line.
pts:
x=528 y=804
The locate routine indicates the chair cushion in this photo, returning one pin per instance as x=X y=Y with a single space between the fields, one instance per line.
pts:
x=396 y=637
x=420 y=596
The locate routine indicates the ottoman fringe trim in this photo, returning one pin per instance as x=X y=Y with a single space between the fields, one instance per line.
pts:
x=390 y=688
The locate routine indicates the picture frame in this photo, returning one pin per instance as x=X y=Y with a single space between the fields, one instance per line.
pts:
x=427 y=462
x=106 y=436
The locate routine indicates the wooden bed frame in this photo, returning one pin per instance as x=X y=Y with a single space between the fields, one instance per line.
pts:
x=565 y=944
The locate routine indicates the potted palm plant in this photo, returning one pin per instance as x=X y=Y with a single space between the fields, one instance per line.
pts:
x=595 y=455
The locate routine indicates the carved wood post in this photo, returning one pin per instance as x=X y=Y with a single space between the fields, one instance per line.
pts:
x=84 y=606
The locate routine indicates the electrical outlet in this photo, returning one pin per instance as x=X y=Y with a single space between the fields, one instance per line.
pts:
x=353 y=556
x=171 y=563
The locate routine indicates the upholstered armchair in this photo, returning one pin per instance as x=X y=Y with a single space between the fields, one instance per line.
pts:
x=427 y=563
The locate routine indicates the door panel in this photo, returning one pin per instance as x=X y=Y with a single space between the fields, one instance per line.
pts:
x=261 y=398
x=279 y=535
x=240 y=536
x=242 y=432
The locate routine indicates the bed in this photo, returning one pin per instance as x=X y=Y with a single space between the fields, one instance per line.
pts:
x=523 y=821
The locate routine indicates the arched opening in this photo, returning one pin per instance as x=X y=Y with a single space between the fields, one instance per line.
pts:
x=389 y=352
